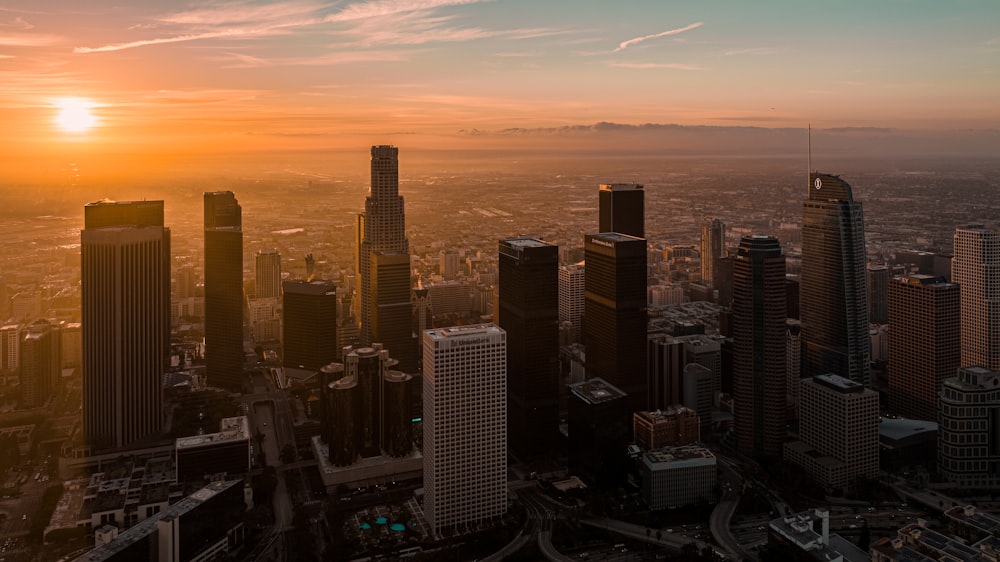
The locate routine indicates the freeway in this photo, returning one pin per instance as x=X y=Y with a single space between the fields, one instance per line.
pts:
x=718 y=523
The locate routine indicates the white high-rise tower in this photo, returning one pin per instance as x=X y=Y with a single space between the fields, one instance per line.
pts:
x=976 y=269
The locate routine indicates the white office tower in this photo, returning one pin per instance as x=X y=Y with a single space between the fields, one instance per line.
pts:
x=465 y=426
x=571 y=301
x=976 y=269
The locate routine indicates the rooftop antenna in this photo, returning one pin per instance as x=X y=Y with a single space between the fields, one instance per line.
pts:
x=809 y=157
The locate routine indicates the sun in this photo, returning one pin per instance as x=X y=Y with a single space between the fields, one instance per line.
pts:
x=74 y=114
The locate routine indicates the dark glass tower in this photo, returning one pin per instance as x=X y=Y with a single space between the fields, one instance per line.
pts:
x=713 y=248
x=833 y=300
x=758 y=327
x=125 y=306
x=615 y=312
x=223 y=290
x=309 y=329
x=622 y=209
x=382 y=249
x=39 y=363
x=529 y=313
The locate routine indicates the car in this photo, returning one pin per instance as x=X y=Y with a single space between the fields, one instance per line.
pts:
x=265 y=424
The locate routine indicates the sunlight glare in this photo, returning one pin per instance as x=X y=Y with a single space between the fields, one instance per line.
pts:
x=74 y=114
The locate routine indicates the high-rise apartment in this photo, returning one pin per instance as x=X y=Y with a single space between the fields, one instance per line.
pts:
x=309 y=327
x=267 y=282
x=622 y=209
x=223 y=290
x=571 y=301
x=976 y=268
x=529 y=313
x=838 y=431
x=968 y=432
x=383 y=255
x=924 y=348
x=465 y=426
x=833 y=298
x=40 y=363
x=615 y=313
x=125 y=306
x=758 y=326
x=713 y=248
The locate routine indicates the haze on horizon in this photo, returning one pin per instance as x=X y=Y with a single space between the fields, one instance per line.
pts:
x=199 y=82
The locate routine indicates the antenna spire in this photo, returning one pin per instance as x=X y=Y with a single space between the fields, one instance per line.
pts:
x=809 y=157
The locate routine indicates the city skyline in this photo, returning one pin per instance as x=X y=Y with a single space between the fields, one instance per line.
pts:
x=162 y=82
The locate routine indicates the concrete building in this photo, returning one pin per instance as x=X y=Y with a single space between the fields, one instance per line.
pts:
x=924 y=343
x=976 y=268
x=677 y=477
x=806 y=536
x=672 y=427
x=969 y=435
x=465 y=426
x=226 y=451
x=713 y=248
x=125 y=306
x=449 y=298
x=571 y=297
x=267 y=282
x=838 y=432
x=834 y=298
x=40 y=363
x=699 y=394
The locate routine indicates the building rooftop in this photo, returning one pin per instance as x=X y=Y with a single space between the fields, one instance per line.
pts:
x=917 y=534
x=679 y=457
x=839 y=383
x=972 y=517
x=525 y=242
x=231 y=429
x=463 y=331
x=621 y=187
x=596 y=391
x=898 y=429
x=612 y=237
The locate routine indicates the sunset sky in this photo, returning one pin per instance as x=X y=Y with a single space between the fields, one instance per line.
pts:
x=170 y=76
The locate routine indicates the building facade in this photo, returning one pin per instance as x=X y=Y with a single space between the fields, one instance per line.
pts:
x=223 y=290
x=267 y=282
x=125 y=308
x=678 y=476
x=713 y=248
x=383 y=249
x=571 y=297
x=969 y=432
x=309 y=326
x=833 y=296
x=924 y=343
x=758 y=327
x=976 y=268
x=529 y=313
x=40 y=363
x=465 y=426
x=615 y=312
x=838 y=432
x=622 y=209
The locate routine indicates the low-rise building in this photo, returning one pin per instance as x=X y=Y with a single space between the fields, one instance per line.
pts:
x=673 y=427
x=678 y=476
x=806 y=536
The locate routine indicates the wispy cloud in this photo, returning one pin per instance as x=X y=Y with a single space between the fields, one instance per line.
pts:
x=226 y=33
x=239 y=60
x=18 y=23
x=642 y=65
x=750 y=51
x=626 y=44
x=28 y=39
x=379 y=8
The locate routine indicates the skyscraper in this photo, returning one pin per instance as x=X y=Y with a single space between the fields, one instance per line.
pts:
x=382 y=250
x=759 y=346
x=571 y=290
x=223 y=290
x=465 y=425
x=976 y=268
x=924 y=343
x=615 y=312
x=713 y=248
x=622 y=209
x=878 y=293
x=833 y=299
x=529 y=313
x=970 y=408
x=40 y=363
x=125 y=306
x=309 y=329
x=267 y=282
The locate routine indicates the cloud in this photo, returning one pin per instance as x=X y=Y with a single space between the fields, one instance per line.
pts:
x=226 y=33
x=626 y=44
x=238 y=60
x=18 y=23
x=642 y=65
x=28 y=39
x=379 y=8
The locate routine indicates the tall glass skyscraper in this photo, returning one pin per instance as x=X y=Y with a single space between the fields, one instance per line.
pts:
x=759 y=346
x=529 y=313
x=713 y=247
x=125 y=306
x=622 y=209
x=833 y=299
x=383 y=262
x=223 y=290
